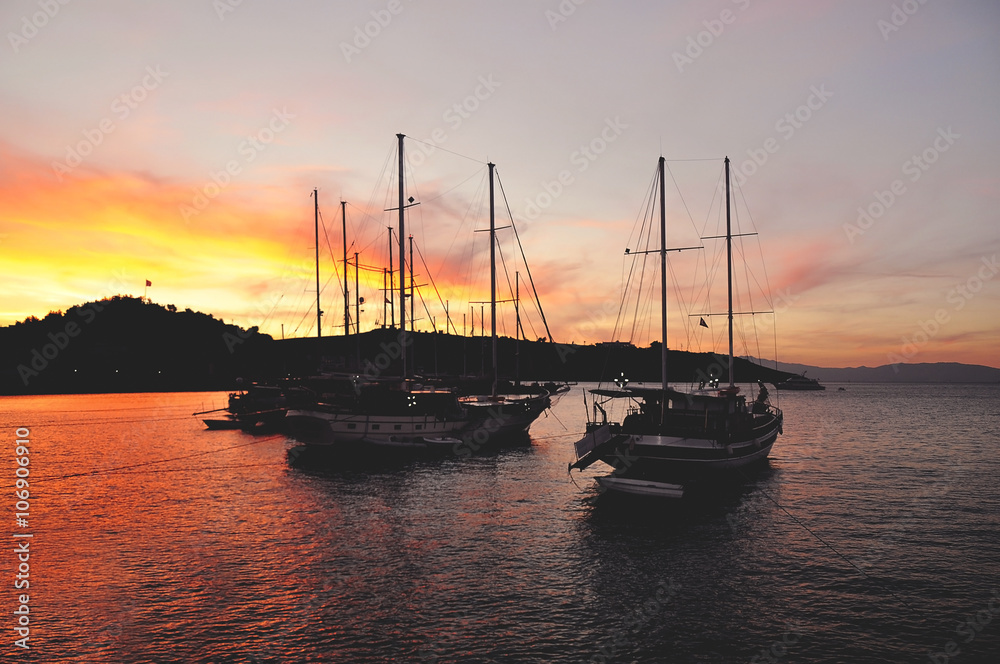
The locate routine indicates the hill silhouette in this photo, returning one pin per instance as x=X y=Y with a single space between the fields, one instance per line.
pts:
x=127 y=344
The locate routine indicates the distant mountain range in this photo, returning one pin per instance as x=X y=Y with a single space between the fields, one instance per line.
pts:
x=924 y=372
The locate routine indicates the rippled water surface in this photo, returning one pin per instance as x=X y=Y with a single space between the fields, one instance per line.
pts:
x=871 y=535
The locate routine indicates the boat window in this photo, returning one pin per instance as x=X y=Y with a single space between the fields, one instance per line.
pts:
x=376 y=426
x=419 y=427
x=352 y=425
x=398 y=427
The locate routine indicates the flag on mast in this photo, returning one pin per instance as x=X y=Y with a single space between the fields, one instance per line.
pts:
x=701 y=321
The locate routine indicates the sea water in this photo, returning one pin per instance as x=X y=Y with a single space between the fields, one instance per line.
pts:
x=870 y=535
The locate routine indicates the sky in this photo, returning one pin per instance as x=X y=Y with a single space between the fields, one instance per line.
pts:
x=180 y=143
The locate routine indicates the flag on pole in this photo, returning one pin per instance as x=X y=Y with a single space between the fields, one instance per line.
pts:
x=701 y=321
x=148 y=283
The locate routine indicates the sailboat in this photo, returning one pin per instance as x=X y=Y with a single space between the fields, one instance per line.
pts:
x=383 y=413
x=668 y=437
x=502 y=416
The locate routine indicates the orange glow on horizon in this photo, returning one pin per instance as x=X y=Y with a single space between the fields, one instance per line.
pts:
x=248 y=258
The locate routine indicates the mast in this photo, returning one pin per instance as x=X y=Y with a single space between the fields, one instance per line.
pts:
x=412 y=301
x=493 y=281
x=392 y=283
x=319 y=313
x=663 y=286
x=357 y=294
x=517 y=329
x=402 y=262
x=729 y=271
x=347 y=306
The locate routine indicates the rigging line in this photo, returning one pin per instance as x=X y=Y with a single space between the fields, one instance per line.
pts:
x=767 y=280
x=434 y=286
x=274 y=307
x=76 y=422
x=510 y=288
x=199 y=468
x=376 y=238
x=443 y=193
x=412 y=222
x=326 y=234
x=684 y=307
x=626 y=279
x=619 y=326
x=291 y=311
x=642 y=270
x=746 y=275
x=825 y=543
x=157 y=461
x=426 y=310
x=378 y=186
x=131 y=408
x=467 y=258
x=527 y=269
x=438 y=147
x=302 y=320
x=681 y=196
x=712 y=269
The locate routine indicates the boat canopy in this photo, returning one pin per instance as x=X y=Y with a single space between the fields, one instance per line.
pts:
x=656 y=394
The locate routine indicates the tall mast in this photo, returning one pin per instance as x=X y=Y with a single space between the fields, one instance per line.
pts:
x=663 y=286
x=412 y=301
x=493 y=281
x=391 y=292
x=517 y=329
x=347 y=307
x=357 y=294
x=402 y=262
x=319 y=313
x=729 y=271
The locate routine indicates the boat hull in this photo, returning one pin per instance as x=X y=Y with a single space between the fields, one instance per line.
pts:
x=659 y=464
x=504 y=418
x=344 y=430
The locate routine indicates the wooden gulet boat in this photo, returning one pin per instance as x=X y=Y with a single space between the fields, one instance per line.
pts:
x=499 y=416
x=669 y=437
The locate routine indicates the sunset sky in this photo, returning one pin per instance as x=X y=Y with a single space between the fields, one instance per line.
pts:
x=122 y=118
